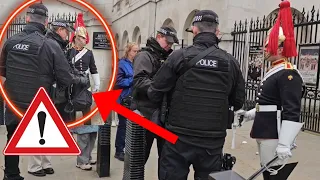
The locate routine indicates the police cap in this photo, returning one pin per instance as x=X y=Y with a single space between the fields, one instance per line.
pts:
x=63 y=23
x=206 y=16
x=39 y=9
x=170 y=33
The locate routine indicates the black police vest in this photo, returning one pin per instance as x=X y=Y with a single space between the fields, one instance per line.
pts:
x=199 y=104
x=23 y=78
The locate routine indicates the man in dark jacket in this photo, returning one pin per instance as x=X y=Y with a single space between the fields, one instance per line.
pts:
x=199 y=106
x=59 y=32
x=146 y=64
x=29 y=61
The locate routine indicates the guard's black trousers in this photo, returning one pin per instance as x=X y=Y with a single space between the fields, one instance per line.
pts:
x=176 y=160
x=11 y=161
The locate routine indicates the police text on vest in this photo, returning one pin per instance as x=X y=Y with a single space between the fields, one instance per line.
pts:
x=207 y=63
x=23 y=47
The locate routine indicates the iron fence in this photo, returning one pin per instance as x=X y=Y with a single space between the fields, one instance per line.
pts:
x=18 y=23
x=254 y=32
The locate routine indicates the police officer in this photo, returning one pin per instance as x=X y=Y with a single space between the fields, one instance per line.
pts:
x=59 y=32
x=278 y=103
x=146 y=63
x=29 y=61
x=200 y=95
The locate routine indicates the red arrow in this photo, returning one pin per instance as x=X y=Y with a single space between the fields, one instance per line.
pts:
x=107 y=101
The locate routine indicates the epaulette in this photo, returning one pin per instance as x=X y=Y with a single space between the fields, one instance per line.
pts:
x=288 y=65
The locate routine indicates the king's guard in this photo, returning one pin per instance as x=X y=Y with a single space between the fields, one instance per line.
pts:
x=278 y=102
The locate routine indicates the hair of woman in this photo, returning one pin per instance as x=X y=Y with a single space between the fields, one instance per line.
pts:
x=128 y=48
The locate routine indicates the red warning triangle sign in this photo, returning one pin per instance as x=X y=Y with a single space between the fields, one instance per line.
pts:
x=42 y=131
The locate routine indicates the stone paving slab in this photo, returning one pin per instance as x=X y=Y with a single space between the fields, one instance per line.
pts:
x=247 y=160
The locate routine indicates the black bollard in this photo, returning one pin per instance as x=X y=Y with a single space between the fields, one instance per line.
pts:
x=134 y=152
x=103 y=149
x=1 y=111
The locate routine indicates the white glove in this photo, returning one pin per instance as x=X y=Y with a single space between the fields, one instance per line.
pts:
x=283 y=152
x=288 y=132
x=248 y=115
x=241 y=112
x=96 y=80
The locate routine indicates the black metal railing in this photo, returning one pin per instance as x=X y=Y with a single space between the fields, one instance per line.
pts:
x=255 y=31
x=19 y=22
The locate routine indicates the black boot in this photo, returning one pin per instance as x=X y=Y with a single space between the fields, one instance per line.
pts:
x=283 y=173
x=16 y=177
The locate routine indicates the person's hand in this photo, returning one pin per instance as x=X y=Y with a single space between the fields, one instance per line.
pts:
x=283 y=152
x=83 y=80
x=241 y=112
x=247 y=115
x=288 y=133
x=95 y=89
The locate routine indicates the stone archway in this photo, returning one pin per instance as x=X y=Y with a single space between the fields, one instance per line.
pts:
x=168 y=22
x=117 y=41
x=136 y=35
x=139 y=41
x=187 y=36
x=124 y=42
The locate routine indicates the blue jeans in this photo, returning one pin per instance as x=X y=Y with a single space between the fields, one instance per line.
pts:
x=121 y=134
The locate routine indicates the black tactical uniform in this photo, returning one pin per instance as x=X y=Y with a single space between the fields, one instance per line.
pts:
x=29 y=61
x=146 y=64
x=54 y=36
x=198 y=113
x=60 y=94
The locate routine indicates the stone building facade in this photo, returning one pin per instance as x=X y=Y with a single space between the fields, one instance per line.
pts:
x=136 y=20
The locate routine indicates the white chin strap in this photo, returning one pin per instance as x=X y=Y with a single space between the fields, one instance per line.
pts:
x=267 y=57
x=274 y=171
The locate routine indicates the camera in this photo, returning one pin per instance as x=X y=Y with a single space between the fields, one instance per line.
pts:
x=228 y=161
x=126 y=102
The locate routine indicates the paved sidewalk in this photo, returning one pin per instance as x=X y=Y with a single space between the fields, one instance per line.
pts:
x=247 y=160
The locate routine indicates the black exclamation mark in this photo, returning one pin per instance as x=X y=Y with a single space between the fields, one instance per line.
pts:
x=42 y=121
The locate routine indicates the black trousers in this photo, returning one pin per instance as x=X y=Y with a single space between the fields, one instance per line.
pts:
x=149 y=141
x=121 y=134
x=12 y=161
x=176 y=160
